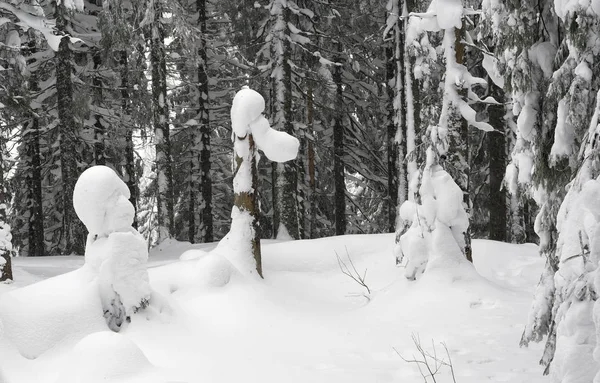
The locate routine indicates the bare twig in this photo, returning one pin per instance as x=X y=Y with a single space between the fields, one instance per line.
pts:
x=352 y=272
x=429 y=361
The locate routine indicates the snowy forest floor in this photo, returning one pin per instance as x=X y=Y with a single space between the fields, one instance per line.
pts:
x=307 y=322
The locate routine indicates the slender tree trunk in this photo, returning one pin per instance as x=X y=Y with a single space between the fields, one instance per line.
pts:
x=35 y=226
x=497 y=165
x=129 y=167
x=5 y=248
x=459 y=152
x=71 y=241
x=99 y=131
x=338 y=152
x=247 y=200
x=206 y=229
x=392 y=130
x=164 y=170
x=310 y=113
x=287 y=173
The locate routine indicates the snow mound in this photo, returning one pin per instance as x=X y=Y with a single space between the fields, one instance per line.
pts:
x=101 y=201
x=104 y=357
x=57 y=311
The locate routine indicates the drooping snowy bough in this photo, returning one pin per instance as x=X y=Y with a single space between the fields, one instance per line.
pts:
x=251 y=131
x=114 y=250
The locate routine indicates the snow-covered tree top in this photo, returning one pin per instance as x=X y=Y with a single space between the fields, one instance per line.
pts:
x=246 y=117
x=101 y=201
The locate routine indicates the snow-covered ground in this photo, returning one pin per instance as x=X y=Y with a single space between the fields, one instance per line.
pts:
x=306 y=322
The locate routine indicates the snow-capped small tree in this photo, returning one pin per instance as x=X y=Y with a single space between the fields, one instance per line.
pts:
x=251 y=131
x=114 y=249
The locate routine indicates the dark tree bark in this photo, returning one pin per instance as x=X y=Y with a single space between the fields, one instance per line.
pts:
x=5 y=252
x=287 y=173
x=338 y=152
x=392 y=145
x=33 y=178
x=160 y=117
x=129 y=165
x=310 y=113
x=99 y=130
x=35 y=226
x=247 y=201
x=497 y=157
x=72 y=237
x=459 y=152
x=397 y=143
x=201 y=220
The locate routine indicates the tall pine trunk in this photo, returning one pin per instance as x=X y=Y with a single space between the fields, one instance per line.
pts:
x=312 y=184
x=5 y=234
x=338 y=152
x=129 y=165
x=72 y=239
x=287 y=173
x=392 y=130
x=200 y=215
x=459 y=146
x=99 y=130
x=160 y=117
x=35 y=225
x=497 y=164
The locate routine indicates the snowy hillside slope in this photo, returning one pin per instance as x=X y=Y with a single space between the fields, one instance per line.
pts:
x=306 y=322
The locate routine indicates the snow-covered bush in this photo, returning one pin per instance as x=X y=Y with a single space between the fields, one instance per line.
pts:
x=114 y=250
x=435 y=238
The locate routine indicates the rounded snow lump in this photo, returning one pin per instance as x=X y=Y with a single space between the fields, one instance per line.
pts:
x=104 y=356
x=101 y=201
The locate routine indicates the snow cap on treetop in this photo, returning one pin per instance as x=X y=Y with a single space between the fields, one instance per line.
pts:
x=247 y=106
x=246 y=117
x=101 y=201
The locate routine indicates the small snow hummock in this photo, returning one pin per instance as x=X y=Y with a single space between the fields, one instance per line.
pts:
x=104 y=357
x=114 y=250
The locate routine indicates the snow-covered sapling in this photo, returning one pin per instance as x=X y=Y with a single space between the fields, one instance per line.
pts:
x=114 y=250
x=251 y=131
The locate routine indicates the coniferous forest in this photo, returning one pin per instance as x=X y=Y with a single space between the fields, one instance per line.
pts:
x=441 y=122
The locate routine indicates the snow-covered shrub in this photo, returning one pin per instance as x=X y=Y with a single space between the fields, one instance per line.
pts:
x=114 y=250
x=437 y=224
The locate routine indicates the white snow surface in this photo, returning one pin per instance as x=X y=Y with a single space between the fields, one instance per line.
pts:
x=305 y=322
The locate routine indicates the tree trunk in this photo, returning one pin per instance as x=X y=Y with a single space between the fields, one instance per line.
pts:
x=5 y=249
x=206 y=229
x=164 y=170
x=99 y=131
x=459 y=147
x=392 y=130
x=247 y=200
x=129 y=166
x=72 y=238
x=35 y=226
x=497 y=165
x=338 y=152
x=310 y=113
x=287 y=173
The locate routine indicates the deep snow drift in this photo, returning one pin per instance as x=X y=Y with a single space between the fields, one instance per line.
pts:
x=306 y=322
